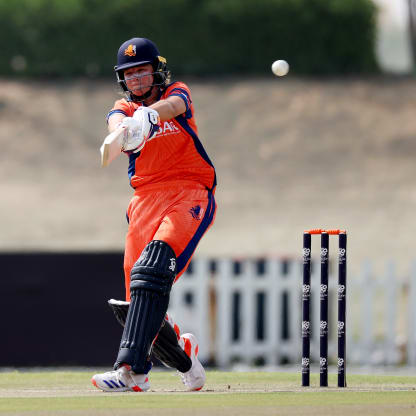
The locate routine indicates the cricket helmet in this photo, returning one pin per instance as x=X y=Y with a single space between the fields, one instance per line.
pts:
x=140 y=51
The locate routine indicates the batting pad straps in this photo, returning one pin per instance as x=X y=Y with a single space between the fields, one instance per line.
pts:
x=151 y=280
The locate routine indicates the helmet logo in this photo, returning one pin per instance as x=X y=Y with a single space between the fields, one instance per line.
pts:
x=130 y=50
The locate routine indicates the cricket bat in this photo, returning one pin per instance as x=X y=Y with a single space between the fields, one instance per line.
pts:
x=111 y=146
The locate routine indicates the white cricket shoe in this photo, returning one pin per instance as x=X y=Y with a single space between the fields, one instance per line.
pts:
x=123 y=379
x=194 y=379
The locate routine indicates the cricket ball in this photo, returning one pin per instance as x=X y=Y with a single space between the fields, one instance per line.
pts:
x=280 y=68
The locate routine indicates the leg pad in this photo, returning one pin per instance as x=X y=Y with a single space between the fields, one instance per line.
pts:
x=166 y=347
x=151 y=281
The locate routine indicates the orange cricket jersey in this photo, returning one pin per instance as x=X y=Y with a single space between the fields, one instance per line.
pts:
x=175 y=153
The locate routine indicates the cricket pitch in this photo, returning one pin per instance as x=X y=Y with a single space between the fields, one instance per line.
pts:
x=225 y=393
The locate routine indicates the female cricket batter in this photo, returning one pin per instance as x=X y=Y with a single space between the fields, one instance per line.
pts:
x=172 y=207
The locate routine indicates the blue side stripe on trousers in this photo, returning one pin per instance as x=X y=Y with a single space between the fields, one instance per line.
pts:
x=205 y=223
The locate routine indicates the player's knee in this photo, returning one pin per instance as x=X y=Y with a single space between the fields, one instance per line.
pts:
x=155 y=270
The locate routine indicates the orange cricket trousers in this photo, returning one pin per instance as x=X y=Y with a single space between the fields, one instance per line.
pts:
x=178 y=214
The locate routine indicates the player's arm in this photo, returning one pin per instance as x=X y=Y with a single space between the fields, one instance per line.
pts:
x=169 y=108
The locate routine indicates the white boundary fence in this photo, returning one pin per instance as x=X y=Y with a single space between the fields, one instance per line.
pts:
x=250 y=311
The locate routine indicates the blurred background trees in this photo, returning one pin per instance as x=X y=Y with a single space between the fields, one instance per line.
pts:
x=44 y=38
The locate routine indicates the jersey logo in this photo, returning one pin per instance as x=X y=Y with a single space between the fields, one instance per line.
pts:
x=196 y=212
x=167 y=127
x=130 y=50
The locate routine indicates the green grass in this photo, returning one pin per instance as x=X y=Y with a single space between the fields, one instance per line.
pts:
x=225 y=393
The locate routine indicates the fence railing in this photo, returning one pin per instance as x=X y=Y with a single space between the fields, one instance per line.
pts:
x=249 y=311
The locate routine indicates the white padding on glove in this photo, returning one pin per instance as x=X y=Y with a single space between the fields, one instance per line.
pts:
x=149 y=120
x=132 y=140
x=139 y=129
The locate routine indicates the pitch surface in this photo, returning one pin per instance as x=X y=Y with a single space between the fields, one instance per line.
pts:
x=225 y=393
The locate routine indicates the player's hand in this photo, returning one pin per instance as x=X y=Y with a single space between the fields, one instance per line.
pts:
x=149 y=120
x=139 y=129
x=132 y=140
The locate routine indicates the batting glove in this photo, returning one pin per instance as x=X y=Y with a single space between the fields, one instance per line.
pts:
x=133 y=140
x=149 y=120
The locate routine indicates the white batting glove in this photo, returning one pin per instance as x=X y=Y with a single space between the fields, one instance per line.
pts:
x=149 y=119
x=139 y=129
x=133 y=140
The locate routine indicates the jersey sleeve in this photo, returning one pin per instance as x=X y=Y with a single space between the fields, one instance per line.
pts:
x=121 y=107
x=181 y=90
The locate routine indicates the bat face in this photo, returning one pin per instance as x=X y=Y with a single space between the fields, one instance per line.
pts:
x=111 y=147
